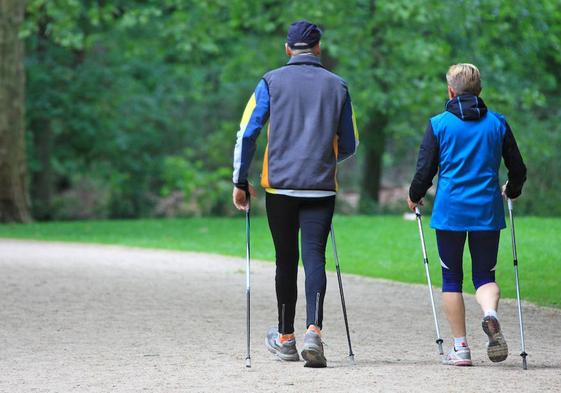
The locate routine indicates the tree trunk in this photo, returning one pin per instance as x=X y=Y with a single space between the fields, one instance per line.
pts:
x=42 y=180
x=374 y=135
x=42 y=176
x=374 y=142
x=14 y=200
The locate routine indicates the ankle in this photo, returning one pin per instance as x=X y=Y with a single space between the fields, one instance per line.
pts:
x=315 y=329
x=286 y=337
x=460 y=342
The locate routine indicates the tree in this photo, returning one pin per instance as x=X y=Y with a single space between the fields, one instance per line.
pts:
x=517 y=47
x=130 y=101
x=56 y=33
x=110 y=87
x=14 y=201
x=392 y=55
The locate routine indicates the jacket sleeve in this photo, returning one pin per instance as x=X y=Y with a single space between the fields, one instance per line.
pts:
x=427 y=165
x=514 y=164
x=255 y=116
x=347 y=134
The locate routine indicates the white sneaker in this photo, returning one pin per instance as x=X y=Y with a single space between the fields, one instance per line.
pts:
x=458 y=357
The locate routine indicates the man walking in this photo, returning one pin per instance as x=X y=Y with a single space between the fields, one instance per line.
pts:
x=465 y=144
x=311 y=128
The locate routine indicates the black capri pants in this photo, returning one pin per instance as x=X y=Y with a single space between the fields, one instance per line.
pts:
x=483 y=247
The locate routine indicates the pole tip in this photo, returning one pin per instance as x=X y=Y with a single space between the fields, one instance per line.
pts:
x=439 y=343
x=352 y=358
x=248 y=363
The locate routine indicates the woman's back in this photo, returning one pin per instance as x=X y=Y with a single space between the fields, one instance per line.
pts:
x=469 y=140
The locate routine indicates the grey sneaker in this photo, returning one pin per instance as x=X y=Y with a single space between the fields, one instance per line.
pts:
x=313 y=350
x=285 y=351
x=497 y=349
x=458 y=357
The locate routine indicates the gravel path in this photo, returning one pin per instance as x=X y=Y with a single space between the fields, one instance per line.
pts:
x=88 y=318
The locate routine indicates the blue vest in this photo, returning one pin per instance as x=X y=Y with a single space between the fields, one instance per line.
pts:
x=470 y=140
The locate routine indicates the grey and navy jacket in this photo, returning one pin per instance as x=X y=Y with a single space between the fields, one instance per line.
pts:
x=311 y=127
x=465 y=144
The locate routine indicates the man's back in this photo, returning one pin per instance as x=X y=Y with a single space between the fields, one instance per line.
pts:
x=306 y=103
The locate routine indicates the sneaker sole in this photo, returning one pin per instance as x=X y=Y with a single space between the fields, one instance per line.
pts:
x=461 y=363
x=282 y=356
x=497 y=348
x=314 y=358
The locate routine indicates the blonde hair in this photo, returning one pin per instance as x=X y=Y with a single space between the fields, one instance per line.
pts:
x=464 y=78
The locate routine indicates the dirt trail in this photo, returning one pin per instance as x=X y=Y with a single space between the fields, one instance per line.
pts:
x=86 y=318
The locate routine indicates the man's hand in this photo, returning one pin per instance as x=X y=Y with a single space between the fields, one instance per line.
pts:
x=413 y=205
x=240 y=198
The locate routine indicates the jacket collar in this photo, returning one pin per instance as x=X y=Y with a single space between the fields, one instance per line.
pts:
x=467 y=107
x=308 y=59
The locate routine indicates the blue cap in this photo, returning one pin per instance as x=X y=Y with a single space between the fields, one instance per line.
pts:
x=303 y=35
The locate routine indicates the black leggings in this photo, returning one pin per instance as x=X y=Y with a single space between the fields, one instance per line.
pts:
x=287 y=215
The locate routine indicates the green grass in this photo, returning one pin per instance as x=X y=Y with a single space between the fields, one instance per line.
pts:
x=376 y=246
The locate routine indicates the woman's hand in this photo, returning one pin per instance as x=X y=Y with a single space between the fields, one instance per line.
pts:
x=413 y=205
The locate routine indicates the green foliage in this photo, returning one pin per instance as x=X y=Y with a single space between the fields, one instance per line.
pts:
x=204 y=191
x=517 y=46
x=540 y=141
x=380 y=246
x=125 y=87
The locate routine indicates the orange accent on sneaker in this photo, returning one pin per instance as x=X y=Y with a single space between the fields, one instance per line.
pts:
x=314 y=329
x=286 y=337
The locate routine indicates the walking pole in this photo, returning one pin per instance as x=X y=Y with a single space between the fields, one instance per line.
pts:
x=515 y=257
x=426 y=263
x=351 y=354
x=247 y=281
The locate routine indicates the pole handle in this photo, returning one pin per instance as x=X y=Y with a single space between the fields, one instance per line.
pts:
x=248 y=199
x=509 y=202
x=417 y=211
